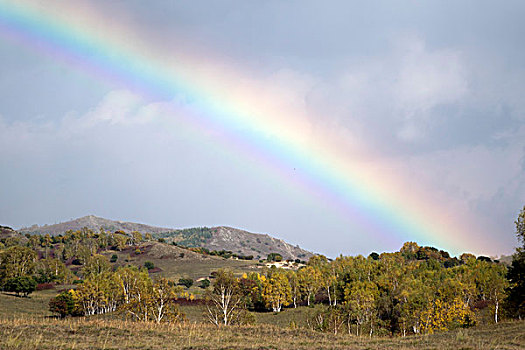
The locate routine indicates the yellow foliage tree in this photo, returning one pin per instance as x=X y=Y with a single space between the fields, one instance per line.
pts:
x=276 y=290
x=441 y=316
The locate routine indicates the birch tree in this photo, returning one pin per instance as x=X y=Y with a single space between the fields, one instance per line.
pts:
x=224 y=302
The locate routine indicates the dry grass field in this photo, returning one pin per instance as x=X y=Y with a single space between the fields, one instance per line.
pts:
x=176 y=262
x=42 y=333
x=25 y=323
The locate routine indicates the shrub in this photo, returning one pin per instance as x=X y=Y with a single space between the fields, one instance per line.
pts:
x=23 y=285
x=274 y=257
x=63 y=304
x=149 y=265
x=114 y=258
x=187 y=282
x=205 y=283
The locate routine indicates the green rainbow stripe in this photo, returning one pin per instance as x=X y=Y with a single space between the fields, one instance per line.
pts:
x=379 y=205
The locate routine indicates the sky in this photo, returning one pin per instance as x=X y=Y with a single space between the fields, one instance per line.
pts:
x=344 y=127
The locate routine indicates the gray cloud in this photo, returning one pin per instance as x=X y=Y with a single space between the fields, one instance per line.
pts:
x=434 y=88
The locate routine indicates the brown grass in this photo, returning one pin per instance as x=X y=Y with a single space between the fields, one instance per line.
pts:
x=25 y=324
x=84 y=333
x=173 y=266
x=35 y=306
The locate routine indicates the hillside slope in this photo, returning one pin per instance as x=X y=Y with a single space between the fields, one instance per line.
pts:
x=7 y=233
x=237 y=241
x=94 y=223
x=217 y=238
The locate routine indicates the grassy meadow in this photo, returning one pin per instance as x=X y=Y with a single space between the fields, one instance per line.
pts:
x=25 y=323
x=85 y=333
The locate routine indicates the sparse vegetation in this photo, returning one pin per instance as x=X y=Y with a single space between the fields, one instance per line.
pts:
x=190 y=237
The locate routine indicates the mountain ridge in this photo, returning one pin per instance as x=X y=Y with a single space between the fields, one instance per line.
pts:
x=217 y=238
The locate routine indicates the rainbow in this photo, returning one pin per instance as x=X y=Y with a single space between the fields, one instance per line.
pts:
x=253 y=118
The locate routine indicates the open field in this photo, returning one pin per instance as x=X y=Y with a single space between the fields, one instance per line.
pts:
x=82 y=333
x=24 y=325
x=176 y=262
x=12 y=306
x=35 y=306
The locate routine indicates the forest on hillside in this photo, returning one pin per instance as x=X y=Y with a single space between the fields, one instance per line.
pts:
x=417 y=290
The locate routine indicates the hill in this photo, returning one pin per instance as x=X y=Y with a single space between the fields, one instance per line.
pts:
x=236 y=241
x=7 y=233
x=94 y=223
x=216 y=238
x=175 y=262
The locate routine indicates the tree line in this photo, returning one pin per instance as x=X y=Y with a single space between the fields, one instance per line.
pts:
x=413 y=291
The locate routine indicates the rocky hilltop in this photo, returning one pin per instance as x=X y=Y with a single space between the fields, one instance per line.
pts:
x=258 y=245
x=237 y=241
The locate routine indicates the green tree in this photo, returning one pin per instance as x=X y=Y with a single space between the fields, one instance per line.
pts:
x=16 y=261
x=136 y=237
x=274 y=257
x=491 y=281
x=99 y=294
x=309 y=282
x=120 y=241
x=52 y=270
x=520 y=227
x=96 y=265
x=515 y=302
x=360 y=299
x=295 y=286
x=161 y=301
x=224 y=303
x=21 y=285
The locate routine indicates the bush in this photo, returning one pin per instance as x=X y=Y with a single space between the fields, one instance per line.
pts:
x=23 y=285
x=274 y=257
x=63 y=304
x=187 y=282
x=114 y=258
x=205 y=283
x=149 y=265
